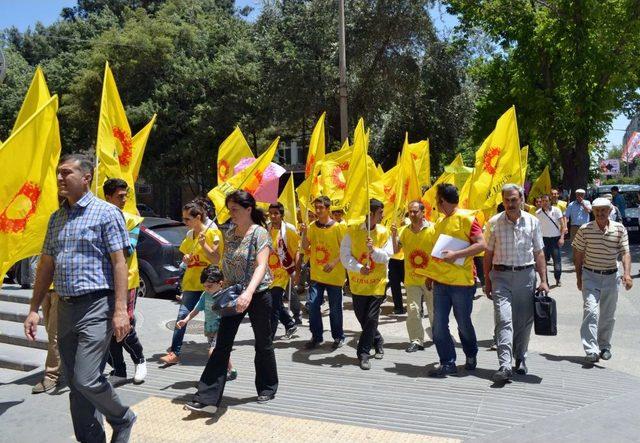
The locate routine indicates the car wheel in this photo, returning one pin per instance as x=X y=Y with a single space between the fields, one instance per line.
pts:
x=146 y=288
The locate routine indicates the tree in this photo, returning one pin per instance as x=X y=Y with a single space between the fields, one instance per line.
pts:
x=567 y=65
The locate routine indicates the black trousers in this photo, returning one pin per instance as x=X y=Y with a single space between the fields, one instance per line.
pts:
x=279 y=312
x=132 y=345
x=479 y=264
x=214 y=376
x=367 y=310
x=396 y=277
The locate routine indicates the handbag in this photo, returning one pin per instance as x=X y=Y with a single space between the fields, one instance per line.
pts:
x=225 y=302
x=545 y=314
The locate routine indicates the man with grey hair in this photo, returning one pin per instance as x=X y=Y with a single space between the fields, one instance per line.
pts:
x=515 y=251
x=577 y=213
x=596 y=248
x=84 y=256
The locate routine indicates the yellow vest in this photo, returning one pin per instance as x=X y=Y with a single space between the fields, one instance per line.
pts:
x=375 y=283
x=133 y=274
x=457 y=225
x=417 y=248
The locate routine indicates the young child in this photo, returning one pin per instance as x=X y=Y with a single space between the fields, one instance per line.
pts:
x=211 y=278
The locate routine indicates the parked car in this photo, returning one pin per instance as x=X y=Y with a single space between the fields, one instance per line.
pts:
x=146 y=210
x=632 y=212
x=158 y=255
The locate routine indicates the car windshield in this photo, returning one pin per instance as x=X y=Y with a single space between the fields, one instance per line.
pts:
x=173 y=234
x=631 y=197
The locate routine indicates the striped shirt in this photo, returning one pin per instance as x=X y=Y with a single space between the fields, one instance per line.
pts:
x=80 y=239
x=601 y=248
x=514 y=244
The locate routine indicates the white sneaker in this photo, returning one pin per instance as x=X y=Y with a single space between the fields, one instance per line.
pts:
x=141 y=373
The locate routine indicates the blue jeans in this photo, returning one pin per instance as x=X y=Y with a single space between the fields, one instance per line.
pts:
x=189 y=301
x=461 y=299
x=552 y=251
x=316 y=295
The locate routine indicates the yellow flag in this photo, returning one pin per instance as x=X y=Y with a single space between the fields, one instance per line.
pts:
x=497 y=163
x=380 y=170
x=407 y=184
x=342 y=158
x=541 y=186
x=114 y=145
x=524 y=158
x=139 y=144
x=28 y=187
x=248 y=179
x=288 y=200
x=422 y=161
x=316 y=146
x=333 y=183
x=37 y=95
x=389 y=183
x=356 y=196
x=429 y=197
x=233 y=149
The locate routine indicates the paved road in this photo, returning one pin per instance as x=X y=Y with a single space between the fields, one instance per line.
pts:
x=561 y=398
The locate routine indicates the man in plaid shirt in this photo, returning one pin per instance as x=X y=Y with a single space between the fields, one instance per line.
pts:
x=84 y=256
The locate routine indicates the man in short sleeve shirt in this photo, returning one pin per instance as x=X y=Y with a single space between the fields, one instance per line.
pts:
x=84 y=255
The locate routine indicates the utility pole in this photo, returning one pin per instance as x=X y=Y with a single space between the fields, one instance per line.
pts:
x=344 y=120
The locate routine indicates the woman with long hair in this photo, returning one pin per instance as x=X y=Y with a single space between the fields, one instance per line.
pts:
x=245 y=261
x=201 y=242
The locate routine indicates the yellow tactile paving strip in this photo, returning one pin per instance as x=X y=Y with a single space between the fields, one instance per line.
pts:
x=161 y=420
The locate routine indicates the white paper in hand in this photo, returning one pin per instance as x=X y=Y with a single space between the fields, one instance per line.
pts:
x=446 y=242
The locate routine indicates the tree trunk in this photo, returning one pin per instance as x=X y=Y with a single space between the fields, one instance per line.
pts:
x=575 y=162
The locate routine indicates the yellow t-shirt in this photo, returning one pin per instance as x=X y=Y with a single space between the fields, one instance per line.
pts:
x=417 y=250
x=325 y=248
x=133 y=275
x=280 y=274
x=199 y=261
x=375 y=282
x=562 y=205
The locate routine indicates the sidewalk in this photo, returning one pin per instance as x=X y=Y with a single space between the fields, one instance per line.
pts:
x=324 y=396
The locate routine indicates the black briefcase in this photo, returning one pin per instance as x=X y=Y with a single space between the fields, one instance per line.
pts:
x=545 y=318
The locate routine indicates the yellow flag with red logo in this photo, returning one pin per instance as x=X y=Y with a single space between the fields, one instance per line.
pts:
x=422 y=161
x=316 y=147
x=233 y=149
x=524 y=164
x=429 y=197
x=37 y=95
x=288 y=200
x=114 y=144
x=28 y=187
x=541 y=186
x=248 y=179
x=356 y=196
x=333 y=183
x=407 y=184
x=497 y=163
x=389 y=185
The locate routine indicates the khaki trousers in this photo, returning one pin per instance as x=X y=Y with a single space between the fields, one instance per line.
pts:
x=50 y=311
x=414 y=318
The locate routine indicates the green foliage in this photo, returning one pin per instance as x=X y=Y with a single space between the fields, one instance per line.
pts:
x=567 y=66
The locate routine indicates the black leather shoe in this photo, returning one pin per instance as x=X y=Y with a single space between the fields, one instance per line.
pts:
x=605 y=354
x=337 y=343
x=399 y=311
x=471 y=363
x=196 y=406
x=503 y=375
x=443 y=371
x=592 y=358
x=379 y=355
x=365 y=364
x=264 y=398
x=414 y=347
x=521 y=367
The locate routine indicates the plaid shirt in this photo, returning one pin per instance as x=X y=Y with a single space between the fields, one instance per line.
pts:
x=80 y=239
x=513 y=244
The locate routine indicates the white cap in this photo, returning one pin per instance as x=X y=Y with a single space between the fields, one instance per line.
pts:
x=580 y=191
x=601 y=201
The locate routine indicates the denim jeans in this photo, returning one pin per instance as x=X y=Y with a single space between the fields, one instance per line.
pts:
x=552 y=251
x=316 y=295
x=460 y=298
x=189 y=301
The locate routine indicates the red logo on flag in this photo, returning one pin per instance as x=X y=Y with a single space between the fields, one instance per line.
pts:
x=337 y=178
x=390 y=191
x=31 y=191
x=488 y=163
x=124 y=158
x=223 y=169
x=310 y=164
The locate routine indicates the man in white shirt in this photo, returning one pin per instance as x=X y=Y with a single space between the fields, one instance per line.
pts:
x=553 y=226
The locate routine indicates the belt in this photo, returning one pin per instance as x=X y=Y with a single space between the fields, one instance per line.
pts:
x=503 y=268
x=84 y=297
x=601 y=271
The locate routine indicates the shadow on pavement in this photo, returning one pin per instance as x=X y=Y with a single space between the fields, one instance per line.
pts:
x=211 y=419
x=6 y=405
x=408 y=370
x=335 y=361
x=573 y=359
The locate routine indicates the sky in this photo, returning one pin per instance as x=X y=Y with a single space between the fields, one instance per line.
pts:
x=25 y=13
